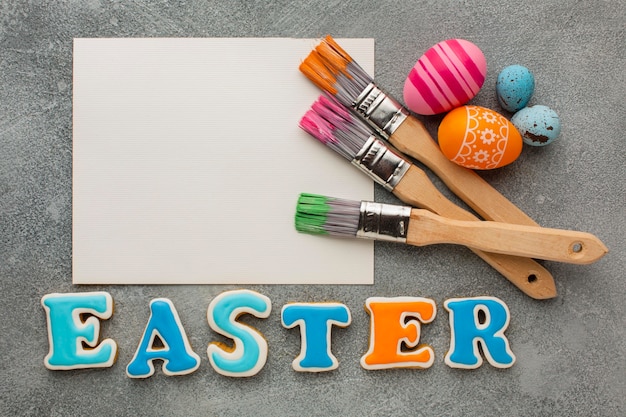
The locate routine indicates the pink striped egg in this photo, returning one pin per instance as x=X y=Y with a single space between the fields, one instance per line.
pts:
x=447 y=76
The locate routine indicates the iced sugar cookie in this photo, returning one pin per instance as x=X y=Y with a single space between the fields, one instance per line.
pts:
x=164 y=338
x=315 y=321
x=474 y=321
x=249 y=354
x=395 y=332
x=73 y=322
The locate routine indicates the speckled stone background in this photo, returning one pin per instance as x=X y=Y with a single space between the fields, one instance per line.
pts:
x=570 y=350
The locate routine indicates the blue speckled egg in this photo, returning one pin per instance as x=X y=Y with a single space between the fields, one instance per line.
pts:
x=538 y=125
x=515 y=87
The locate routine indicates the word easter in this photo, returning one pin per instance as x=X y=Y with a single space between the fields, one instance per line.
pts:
x=74 y=331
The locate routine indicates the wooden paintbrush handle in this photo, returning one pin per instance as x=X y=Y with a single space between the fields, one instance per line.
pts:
x=417 y=189
x=526 y=274
x=426 y=228
x=412 y=138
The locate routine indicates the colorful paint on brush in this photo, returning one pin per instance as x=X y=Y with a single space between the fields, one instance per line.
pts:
x=321 y=215
x=333 y=125
x=331 y=68
x=448 y=75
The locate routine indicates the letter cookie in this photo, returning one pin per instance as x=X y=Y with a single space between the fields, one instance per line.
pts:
x=315 y=321
x=69 y=330
x=176 y=353
x=249 y=354
x=395 y=332
x=468 y=330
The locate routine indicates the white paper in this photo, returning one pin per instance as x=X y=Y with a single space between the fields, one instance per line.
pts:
x=188 y=161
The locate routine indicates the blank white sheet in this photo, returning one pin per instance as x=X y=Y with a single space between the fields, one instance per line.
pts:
x=188 y=161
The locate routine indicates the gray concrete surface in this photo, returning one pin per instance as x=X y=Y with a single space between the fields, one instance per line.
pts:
x=570 y=350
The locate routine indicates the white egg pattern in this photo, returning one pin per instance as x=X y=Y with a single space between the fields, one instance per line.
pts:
x=493 y=138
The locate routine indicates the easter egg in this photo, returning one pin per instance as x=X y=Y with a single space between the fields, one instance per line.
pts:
x=514 y=87
x=448 y=75
x=538 y=125
x=479 y=138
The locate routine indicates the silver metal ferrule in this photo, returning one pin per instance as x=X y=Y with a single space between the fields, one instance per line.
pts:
x=381 y=163
x=380 y=110
x=383 y=221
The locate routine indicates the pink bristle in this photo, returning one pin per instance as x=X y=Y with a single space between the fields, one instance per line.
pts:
x=332 y=110
x=317 y=127
x=332 y=124
x=341 y=117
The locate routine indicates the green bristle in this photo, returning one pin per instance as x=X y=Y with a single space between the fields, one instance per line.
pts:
x=319 y=215
x=311 y=214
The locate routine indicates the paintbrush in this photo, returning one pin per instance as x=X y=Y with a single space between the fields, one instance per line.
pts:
x=336 y=127
x=334 y=71
x=317 y=214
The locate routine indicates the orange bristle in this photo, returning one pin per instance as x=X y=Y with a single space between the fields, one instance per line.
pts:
x=315 y=70
x=334 y=71
x=333 y=59
x=331 y=42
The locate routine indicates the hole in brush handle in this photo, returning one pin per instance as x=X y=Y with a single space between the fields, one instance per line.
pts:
x=576 y=247
x=576 y=250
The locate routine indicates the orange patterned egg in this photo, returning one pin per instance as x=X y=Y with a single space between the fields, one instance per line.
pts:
x=479 y=138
